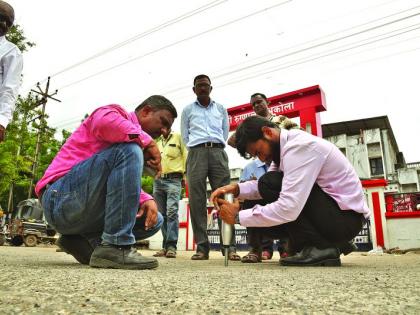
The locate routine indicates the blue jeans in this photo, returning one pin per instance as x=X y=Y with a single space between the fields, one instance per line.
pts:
x=167 y=193
x=99 y=198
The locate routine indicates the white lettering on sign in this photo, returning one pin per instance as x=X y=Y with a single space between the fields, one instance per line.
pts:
x=282 y=108
x=275 y=110
x=238 y=118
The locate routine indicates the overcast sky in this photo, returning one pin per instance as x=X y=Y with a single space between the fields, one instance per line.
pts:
x=365 y=55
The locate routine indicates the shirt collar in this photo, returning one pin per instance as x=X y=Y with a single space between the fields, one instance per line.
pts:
x=199 y=104
x=259 y=163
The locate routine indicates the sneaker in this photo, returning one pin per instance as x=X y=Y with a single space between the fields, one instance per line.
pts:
x=111 y=256
x=77 y=246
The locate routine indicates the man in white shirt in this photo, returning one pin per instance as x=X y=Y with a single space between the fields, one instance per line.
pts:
x=11 y=65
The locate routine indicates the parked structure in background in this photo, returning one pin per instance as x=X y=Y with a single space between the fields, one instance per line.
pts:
x=371 y=147
x=27 y=225
x=392 y=185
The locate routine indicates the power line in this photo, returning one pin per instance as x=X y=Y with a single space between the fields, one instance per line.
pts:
x=143 y=34
x=173 y=44
x=303 y=60
x=308 y=59
x=315 y=56
x=310 y=47
x=298 y=63
x=313 y=46
x=221 y=26
x=320 y=44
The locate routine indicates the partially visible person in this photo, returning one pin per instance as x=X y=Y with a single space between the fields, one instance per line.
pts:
x=167 y=189
x=261 y=247
x=313 y=194
x=91 y=192
x=260 y=104
x=204 y=130
x=2 y=219
x=11 y=64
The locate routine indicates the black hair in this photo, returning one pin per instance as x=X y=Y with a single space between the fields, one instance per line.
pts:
x=158 y=102
x=201 y=76
x=7 y=17
x=260 y=94
x=249 y=131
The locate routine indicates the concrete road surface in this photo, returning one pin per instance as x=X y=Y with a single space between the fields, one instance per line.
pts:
x=40 y=280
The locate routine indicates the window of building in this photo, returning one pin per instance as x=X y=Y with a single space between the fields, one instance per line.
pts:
x=376 y=166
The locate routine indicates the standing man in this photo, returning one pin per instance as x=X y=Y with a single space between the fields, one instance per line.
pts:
x=313 y=193
x=167 y=189
x=91 y=192
x=11 y=65
x=260 y=104
x=204 y=129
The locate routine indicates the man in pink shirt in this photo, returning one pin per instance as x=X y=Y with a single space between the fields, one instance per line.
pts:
x=91 y=192
x=314 y=195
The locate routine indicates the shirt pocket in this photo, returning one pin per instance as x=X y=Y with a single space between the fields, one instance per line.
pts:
x=216 y=120
x=172 y=152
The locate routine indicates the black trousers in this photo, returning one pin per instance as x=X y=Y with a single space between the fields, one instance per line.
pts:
x=321 y=222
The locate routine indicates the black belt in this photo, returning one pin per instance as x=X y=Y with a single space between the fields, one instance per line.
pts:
x=210 y=145
x=171 y=175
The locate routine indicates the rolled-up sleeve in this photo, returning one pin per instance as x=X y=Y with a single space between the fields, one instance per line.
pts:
x=144 y=197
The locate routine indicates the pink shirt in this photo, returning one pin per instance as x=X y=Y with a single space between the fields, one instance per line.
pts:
x=105 y=126
x=305 y=160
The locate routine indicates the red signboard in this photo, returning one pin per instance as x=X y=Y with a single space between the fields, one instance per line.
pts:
x=305 y=104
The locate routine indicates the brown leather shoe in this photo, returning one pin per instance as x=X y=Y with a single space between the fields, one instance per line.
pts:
x=200 y=256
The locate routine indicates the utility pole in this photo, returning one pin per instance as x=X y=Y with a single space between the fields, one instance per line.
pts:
x=43 y=101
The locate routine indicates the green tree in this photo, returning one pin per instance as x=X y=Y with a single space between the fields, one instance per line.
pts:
x=17 y=37
x=17 y=152
x=147 y=184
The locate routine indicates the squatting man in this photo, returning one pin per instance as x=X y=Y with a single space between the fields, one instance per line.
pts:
x=91 y=192
x=314 y=196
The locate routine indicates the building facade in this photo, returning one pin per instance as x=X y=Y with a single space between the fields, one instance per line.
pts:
x=371 y=147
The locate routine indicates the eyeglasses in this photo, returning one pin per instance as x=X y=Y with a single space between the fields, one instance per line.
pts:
x=202 y=85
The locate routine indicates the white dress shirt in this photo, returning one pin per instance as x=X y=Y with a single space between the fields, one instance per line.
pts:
x=11 y=64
